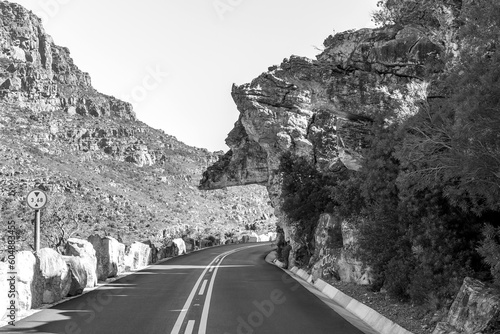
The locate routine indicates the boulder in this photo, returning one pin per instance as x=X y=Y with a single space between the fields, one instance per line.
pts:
x=335 y=242
x=153 y=250
x=4 y=290
x=190 y=244
x=138 y=256
x=167 y=250
x=30 y=282
x=78 y=267
x=56 y=274
x=253 y=237
x=181 y=246
x=110 y=256
x=474 y=309
x=83 y=248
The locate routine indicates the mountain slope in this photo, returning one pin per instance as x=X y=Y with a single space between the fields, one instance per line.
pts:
x=104 y=171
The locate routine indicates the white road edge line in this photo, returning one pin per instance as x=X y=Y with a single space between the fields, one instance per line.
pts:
x=189 y=327
x=203 y=286
x=206 y=306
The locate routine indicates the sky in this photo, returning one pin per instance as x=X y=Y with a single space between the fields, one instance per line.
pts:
x=176 y=60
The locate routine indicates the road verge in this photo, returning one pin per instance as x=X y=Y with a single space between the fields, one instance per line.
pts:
x=369 y=316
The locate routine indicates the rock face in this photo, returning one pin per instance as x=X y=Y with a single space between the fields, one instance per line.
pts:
x=110 y=256
x=56 y=274
x=30 y=282
x=318 y=108
x=41 y=75
x=474 y=309
x=321 y=109
x=84 y=249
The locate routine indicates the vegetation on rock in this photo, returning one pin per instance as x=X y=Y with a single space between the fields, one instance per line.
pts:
x=425 y=201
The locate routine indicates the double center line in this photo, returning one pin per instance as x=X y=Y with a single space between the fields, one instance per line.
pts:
x=212 y=266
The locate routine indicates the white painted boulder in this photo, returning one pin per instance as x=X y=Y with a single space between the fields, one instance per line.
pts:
x=78 y=268
x=253 y=237
x=4 y=290
x=30 y=281
x=110 y=256
x=181 y=246
x=56 y=274
x=138 y=256
x=83 y=248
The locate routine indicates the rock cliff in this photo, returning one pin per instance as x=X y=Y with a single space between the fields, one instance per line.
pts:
x=321 y=109
x=37 y=74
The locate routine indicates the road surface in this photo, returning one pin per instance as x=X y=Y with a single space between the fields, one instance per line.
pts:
x=222 y=290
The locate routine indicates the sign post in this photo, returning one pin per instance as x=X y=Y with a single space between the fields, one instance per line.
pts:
x=37 y=199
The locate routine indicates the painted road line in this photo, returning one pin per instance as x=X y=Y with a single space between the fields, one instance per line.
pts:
x=185 y=308
x=203 y=286
x=211 y=269
x=189 y=327
x=206 y=305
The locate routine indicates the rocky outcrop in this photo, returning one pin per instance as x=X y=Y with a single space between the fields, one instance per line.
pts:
x=322 y=110
x=110 y=256
x=30 y=282
x=39 y=75
x=84 y=249
x=319 y=108
x=475 y=308
x=56 y=274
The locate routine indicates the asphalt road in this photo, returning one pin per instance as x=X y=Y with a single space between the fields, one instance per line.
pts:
x=221 y=290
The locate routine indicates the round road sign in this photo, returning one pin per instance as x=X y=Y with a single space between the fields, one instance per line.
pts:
x=36 y=199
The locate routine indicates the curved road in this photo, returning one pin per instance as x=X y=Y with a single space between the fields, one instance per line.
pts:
x=222 y=290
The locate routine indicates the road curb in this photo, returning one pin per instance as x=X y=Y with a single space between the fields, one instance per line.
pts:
x=365 y=313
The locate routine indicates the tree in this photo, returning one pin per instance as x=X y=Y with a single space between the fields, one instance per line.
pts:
x=64 y=217
x=306 y=195
x=429 y=13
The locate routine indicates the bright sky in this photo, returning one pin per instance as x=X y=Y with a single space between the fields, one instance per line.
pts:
x=176 y=60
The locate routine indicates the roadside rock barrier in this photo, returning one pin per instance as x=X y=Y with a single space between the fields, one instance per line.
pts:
x=4 y=289
x=110 y=256
x=30 y=282
x=181 y=246
x=78 y=267
x=83 y=248
x=56 y=274
x=138 y=256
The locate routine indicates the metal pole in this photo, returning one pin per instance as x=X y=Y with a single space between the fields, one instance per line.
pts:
x=37 y=231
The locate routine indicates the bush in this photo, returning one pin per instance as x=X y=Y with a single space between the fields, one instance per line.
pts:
x=306 y=195
x=490 y=250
